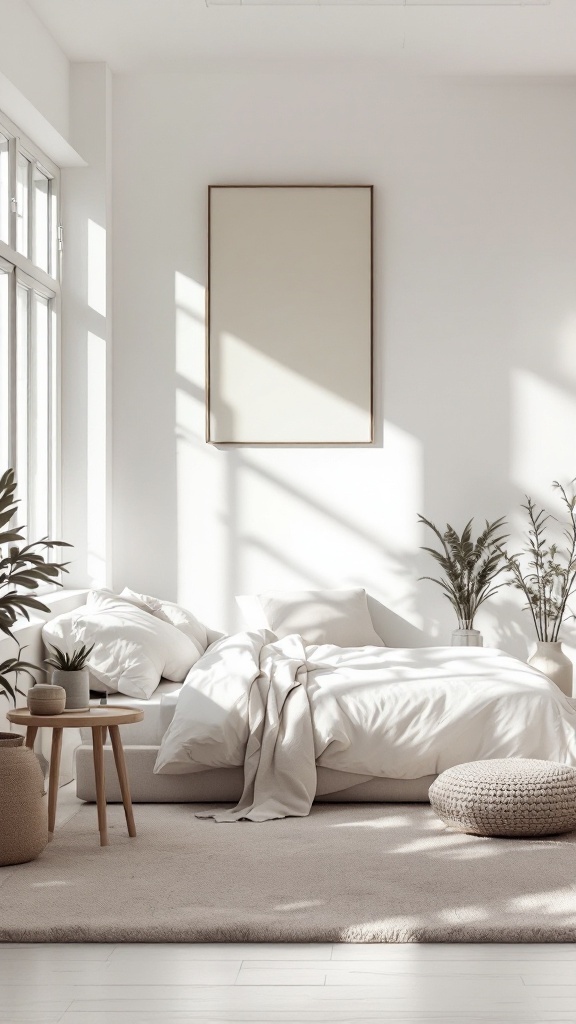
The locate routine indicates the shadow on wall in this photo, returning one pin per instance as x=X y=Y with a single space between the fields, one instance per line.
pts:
x=508 y=627
x=395 y=630
x=307 y=518
x=268 y=518
x=262 y=518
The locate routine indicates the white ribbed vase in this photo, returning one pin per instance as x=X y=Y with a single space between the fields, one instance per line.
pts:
x=77 y=686
x=467 y=638
x=550 y=659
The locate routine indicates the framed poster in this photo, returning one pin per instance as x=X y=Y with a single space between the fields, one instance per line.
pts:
x=289 y=315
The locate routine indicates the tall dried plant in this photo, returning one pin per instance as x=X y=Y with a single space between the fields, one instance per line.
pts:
x=550 y=577
x=470 y=567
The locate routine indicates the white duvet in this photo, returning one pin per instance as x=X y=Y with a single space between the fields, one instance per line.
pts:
x=281 y=708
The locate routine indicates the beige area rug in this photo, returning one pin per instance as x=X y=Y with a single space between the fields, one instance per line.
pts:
x=347 y=873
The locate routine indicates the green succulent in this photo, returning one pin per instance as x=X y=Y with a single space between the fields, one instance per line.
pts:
x=21 y=569
x=69 y=662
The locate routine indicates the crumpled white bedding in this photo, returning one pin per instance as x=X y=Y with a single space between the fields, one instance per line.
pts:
x=280 y=708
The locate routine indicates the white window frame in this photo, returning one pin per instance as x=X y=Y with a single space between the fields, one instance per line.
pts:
x=23 y=270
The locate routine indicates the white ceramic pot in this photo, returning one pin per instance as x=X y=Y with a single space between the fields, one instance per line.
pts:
x=550 y=659
x=77 y=686
x=467 y=638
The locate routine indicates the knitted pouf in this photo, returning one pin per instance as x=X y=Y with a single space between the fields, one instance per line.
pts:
x=513 y=797
x=23 y=814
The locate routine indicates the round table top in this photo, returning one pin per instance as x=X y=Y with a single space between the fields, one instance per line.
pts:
x=99 y=715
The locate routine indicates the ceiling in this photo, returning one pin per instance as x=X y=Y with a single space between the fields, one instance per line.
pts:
x=452 y=38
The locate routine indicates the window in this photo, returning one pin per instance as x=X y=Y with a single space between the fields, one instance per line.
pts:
x=29 y=327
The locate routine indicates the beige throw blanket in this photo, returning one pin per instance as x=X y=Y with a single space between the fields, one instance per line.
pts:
x=279 y=765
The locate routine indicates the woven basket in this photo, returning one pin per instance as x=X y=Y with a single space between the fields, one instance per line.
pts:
x=513 y=797
x=23 y=812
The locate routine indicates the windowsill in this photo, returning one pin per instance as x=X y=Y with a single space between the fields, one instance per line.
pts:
x=58 y=601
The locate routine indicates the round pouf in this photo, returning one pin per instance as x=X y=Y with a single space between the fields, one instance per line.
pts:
x=23 y=814
x=513 y=797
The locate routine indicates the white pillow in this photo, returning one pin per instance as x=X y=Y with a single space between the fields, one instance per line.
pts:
x=338 y=617
x=178 y=616
x=132 y=648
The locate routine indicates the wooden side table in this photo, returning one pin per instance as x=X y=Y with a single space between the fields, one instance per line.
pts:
x=98 y=719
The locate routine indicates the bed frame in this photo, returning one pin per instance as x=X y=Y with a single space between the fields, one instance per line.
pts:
x=224 y=785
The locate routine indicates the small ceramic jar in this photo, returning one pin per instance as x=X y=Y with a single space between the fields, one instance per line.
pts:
x=44 y=699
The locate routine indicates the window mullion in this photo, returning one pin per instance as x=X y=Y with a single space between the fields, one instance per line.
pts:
x=31 y=210
x=12 y=369
x=13 y=190
x=51 y=269
x=52 y=423
x=31 y=510
x=55 y=422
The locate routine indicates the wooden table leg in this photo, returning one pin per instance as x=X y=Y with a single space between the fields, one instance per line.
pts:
x=31 y=732
x=123 y=778
x=54 y=777
x=98 y=751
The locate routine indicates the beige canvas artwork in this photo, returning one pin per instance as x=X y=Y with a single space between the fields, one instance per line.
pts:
x=289 y=339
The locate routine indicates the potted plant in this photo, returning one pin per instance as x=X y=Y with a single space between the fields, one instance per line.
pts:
x=21 y=569
x=470 y=569
x=24 y=831
x=547 y=583
x=71 y=674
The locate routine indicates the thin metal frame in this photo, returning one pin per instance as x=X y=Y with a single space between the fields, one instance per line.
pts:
x=291 y=444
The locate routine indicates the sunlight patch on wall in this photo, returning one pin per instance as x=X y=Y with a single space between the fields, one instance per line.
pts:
x=190 y=330
x=245 y=366
x=96 y=440
x=96 y=254
x=251 y=519
x=202 y=532
x=543 y=422
x=402 y=486
x=347 y=520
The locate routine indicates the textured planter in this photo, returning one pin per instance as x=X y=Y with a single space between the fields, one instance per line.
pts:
x=550 y=659
x=23 y=813
x=467 y=638
x=43 y=699
x=77 y=687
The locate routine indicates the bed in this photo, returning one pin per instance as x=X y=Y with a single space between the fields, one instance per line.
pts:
x=309 y=705
x=392 y=718
x=141 y=744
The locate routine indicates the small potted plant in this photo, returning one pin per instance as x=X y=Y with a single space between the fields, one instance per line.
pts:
x=71 y=674
x=547 y=583
x=470 y=570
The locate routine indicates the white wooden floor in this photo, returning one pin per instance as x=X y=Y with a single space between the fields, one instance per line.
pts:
x=396 y=984
x=128 y=984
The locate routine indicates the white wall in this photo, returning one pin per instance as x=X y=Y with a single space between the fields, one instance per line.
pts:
x=475 y=300
x=87 y=328
x=32 y=63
